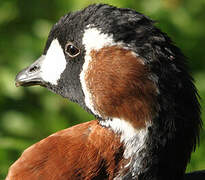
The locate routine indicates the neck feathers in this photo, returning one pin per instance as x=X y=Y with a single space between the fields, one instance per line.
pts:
x=147 y=103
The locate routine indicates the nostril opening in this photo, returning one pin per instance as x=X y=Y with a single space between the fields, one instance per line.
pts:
x=33 y=69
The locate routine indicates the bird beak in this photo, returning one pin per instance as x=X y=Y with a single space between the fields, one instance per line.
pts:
x=31 y=75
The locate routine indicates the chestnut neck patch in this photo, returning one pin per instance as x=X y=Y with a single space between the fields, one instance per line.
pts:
x=120 y=87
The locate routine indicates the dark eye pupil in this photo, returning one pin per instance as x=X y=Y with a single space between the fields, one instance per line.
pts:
x=72 y=50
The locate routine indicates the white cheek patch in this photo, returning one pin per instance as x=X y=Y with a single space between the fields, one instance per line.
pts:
x=93 y=39
x=53 y=64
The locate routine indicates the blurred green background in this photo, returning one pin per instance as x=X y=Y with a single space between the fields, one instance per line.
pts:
x=30 y=114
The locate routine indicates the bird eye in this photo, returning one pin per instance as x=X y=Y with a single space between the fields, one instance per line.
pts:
x=71 y=50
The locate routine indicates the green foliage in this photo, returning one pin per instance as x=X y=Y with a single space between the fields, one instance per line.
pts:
x=30 y=114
